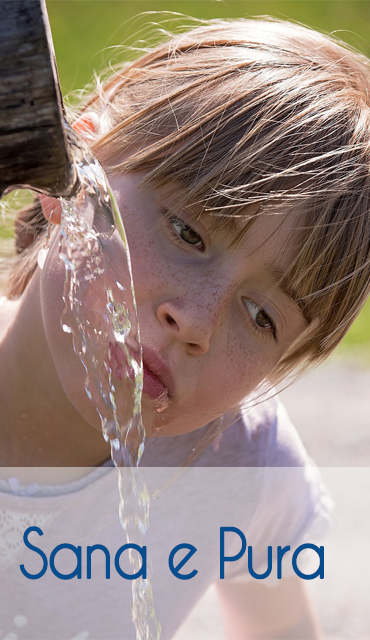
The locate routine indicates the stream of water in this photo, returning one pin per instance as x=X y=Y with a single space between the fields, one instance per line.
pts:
x=100 y=314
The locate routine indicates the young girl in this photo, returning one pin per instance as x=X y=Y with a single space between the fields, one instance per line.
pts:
x=239 y=154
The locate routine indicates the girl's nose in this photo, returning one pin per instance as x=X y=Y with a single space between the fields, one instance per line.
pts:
x=192 y=326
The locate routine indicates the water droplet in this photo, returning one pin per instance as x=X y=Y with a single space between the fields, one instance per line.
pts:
x=20 y=621
x=41 y=257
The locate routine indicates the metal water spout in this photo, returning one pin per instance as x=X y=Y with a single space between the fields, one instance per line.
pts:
x=34 y=148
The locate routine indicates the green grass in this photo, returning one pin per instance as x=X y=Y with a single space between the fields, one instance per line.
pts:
x=357 y=341
x=6 y=231
x=8 y=205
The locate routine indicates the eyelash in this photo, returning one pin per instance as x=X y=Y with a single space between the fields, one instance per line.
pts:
x=170 y=220
x=262 y=331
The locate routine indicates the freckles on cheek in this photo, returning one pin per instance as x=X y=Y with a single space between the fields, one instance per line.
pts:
x=244 y=368
x=153 y=275
x=145 y=257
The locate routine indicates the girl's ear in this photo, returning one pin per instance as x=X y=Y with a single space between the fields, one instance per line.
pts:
x=51 y=208
x=87 y=126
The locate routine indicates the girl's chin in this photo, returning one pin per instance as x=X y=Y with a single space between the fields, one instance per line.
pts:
x=154 y=421
x=166 y=424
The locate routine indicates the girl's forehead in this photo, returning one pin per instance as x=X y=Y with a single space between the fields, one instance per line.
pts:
x=271 y=239
x=269 y=231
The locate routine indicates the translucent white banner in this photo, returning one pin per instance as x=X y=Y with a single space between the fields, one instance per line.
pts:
x=65 y=570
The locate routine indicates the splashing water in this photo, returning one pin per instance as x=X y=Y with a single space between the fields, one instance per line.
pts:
x=100 y=313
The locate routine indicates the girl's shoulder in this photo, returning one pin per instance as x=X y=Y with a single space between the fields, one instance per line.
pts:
x=260 y=435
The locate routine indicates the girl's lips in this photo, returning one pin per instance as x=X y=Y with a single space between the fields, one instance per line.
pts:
x=157 y=380
x=152 y=386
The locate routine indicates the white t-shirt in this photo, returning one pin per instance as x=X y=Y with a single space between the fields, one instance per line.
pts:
x=255 y=476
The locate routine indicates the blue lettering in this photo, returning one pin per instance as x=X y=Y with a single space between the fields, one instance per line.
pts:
x=280 y=554
x=77 y=570
x=133 y=576
x=34 y=576
x=260 y=576
x=224 y=558
x=320 y=570
x=89 y=551
x=176 y=570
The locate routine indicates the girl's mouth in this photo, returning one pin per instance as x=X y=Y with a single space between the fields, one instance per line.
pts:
x=157 y=381
x=155 y=390
x=152 y=385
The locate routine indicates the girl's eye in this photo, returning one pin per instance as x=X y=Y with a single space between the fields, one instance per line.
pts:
x=186 y=233
x=261 y=320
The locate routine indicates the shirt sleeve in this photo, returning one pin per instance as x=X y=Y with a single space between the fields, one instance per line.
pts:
x=294 y=506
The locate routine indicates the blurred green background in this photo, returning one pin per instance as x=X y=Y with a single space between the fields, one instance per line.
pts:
x=88 y=33
x=85 y=30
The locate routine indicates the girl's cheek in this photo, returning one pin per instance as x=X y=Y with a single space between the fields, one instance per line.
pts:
x=67 y=364
x=149 y=271
x=52 y=279
x=243 y=365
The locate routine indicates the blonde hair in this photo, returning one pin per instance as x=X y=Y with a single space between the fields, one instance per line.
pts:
x=264 y=113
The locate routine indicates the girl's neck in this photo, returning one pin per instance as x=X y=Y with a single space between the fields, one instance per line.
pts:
x=38 y=424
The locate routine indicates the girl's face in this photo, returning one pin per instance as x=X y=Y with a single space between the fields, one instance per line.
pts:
x=212 y=323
